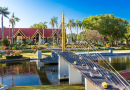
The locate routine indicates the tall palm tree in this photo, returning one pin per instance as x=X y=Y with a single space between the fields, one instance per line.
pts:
x=53 y=22
x=3 y=12
x=70 y=25
x=78 y=25
x=12 y=20
x=43 y=27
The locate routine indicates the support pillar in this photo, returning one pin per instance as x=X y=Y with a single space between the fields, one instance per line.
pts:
x=63 y=70
x=74 y=76
x=39 y=64
x=39 y=54
x=89 y=85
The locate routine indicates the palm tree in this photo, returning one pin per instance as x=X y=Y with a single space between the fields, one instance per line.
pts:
x=78 y=25
x=4 y=12
x=43 y=27
x=12 y=21
x=53 y=22
x=70 y=25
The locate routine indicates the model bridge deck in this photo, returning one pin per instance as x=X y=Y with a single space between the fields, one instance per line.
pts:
x=98 y=78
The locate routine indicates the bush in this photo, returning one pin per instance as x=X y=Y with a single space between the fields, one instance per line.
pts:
x=14 y=57
x=46 y=44
x=55 y=44
x=122 y=47
x=6 y=42
x=13 y=48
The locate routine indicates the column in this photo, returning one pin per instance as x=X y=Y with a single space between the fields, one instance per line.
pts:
x=74 y=76
x=89 y=85
x=63 y=70
x=39 y=54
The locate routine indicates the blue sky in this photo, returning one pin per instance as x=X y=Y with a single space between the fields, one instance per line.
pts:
x=35 y=11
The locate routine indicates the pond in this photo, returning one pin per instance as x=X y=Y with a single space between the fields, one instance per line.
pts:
x=29 y=73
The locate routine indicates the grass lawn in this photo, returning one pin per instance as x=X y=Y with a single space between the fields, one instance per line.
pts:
x=49 y=87
x=29 y=55
x=34 y=55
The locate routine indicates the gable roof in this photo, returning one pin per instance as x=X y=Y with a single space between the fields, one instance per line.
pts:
x=28 y=32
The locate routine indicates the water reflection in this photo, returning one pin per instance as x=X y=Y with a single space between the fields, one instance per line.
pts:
x=36 y=73
x=28 y=73
x=118 y=62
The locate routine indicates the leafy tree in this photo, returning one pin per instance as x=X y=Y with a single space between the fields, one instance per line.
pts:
x=12 y=20
x=90 y=35
x=53 y=22
x=4 y=12
x=5 y=42
x=108 y=25
x=39 y=25
x=78 y=25
x=127 y=35
x=71 y=24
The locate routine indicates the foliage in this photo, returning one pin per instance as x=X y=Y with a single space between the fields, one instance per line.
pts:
x=6 y=42
x=13 y=57
x=5 y=48
x=55 y=44
x=39 y=25
x=1 y=85
x=108 y=25
x=14 y=48
x=46 y=44
x=90 y=35
x=16 y=53
x=71 y=24
x=53 y=21
x=4 y=12
x=127 y=35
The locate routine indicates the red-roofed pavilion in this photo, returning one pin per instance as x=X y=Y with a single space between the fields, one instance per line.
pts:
x=31 y=34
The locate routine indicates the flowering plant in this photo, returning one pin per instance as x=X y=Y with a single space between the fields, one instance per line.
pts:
x=5 y=47
x=16 y=53
x=8 y=51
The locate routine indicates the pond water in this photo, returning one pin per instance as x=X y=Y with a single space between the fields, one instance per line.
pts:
x=29 y=73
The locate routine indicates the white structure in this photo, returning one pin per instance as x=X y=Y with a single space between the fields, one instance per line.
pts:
x=39 y=54
x=74 y=76
x=63 y=69
x=89 y=85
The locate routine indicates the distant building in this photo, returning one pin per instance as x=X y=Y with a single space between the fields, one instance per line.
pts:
x=30 y=34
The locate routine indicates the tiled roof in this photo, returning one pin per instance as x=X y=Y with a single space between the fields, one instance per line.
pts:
x=29 y=32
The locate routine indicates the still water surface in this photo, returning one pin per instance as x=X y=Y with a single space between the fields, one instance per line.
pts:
x=29 y=73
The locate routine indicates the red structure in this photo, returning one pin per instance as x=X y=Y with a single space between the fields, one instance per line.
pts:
x=30 y=34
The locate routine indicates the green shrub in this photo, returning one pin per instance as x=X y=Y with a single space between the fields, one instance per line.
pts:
x=46 y=44
x=122 y=47
x=14 y=57
x=6 y=42
x=55 y=44
x=1 y=85
x=13 y=48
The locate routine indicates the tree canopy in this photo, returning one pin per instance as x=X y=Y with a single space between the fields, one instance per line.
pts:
x=39 y=25
x=4 y=12
x=108 y=25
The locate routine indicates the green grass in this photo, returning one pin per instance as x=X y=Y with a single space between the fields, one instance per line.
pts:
x=34 y=55
x=49 y=87
x=30 y=55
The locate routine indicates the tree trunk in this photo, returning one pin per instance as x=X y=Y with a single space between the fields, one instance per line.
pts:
x=126 y=41
x=43 y=36
x=12 y=34
x=2 y=26
x=53 y=33
x=77 y=33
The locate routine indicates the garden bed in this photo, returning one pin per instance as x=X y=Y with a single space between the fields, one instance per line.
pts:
x=14 y=57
